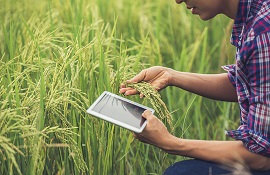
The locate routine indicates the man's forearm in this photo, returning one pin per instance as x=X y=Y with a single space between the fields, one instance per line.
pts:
x=214 y=86
x=223 y=152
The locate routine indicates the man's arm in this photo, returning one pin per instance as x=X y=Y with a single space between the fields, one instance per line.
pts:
x=223 y=152
x=214 y=86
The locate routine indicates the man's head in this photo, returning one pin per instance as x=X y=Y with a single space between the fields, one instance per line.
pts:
x=207 y=9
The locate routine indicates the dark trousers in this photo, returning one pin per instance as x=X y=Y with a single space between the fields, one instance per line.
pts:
x=199 y=167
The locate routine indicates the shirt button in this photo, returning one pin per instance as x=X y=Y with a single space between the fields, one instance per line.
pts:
x=239 y=43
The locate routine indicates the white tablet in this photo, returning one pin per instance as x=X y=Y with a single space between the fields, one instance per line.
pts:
x=120 y=111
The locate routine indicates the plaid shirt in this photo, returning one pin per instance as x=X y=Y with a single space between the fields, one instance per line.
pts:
x=251 y=74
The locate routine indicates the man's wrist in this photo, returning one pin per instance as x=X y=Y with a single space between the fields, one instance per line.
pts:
x=172 y=145
x=171 y=72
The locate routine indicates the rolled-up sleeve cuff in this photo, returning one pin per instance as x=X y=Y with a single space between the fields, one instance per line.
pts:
x=231 y=73
x=253 y=141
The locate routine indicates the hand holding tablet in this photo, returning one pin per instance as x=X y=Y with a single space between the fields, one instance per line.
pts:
x=120 y=111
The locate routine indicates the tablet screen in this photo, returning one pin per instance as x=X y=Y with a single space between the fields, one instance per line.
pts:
x=120 y=110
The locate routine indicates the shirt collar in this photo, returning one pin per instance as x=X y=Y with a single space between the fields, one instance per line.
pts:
x=240 y=20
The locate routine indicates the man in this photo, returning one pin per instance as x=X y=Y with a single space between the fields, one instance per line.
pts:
x=247 y=82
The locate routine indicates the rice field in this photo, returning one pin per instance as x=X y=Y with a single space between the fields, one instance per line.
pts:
x=57 y=57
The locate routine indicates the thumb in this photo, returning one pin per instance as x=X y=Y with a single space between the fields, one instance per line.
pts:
x=147 y=114
x=138 y=78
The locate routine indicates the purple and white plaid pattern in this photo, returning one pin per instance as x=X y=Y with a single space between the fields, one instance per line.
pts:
x=251 y=74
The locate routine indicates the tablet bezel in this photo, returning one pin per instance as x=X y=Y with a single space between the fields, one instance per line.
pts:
x=117 y=122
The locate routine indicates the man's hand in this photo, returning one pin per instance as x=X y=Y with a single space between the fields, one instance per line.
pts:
x=155 y=132
x=159 y=77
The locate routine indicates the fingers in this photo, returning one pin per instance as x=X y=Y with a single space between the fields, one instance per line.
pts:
x=139 y=77
x=136 y=79
x=122 y=86
x=128 y=91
